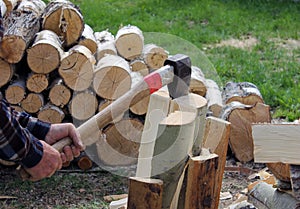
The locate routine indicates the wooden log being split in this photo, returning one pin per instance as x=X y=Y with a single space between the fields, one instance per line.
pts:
x=37 y=82
x=15 y=41
x=154 y=56
x=65 y=19
x=15 y=92
x=145 y=193
x=6 y=71
x=129 y=42
x=51 y=114
x=112 y=77
x=33 y=102
x=198 y=82
x=214 y=98
x=105 y=44
x=59 y=94
x=77 y=68
x=88 y=39
x=46 y=52
x=140 y=66
x=241 y=117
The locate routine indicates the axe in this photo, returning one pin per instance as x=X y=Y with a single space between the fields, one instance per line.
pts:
x=176 y=73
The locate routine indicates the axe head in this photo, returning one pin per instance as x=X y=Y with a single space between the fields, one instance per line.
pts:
x=182 y=75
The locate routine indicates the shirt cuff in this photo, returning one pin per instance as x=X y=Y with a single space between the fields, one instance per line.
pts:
x=34 y=155
x=38 y=128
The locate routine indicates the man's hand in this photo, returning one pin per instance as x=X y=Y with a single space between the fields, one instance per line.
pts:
x=49 y=164
x=60 y=131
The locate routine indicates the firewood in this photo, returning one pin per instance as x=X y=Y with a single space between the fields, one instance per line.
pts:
x=198 y=82
x=65 y=19
x=77 y=68
x=10 y=5
x=214 y=98
x=15 y=41
x=83 y=105
x=51 y=114
x=46 y=52
x=241 y=117
x=280 y=170
x=154 y=56
x=244 y=92
x=111 y=77
x=7 y=71
x=15 y=92
x=129 y=42
x=103 y=104
x=88 y=39
x=33 y=102
x=17 y=108
x=37 y=82
x=110 y=198
x=145 y=193
x=140 y=66
x=59 y=93
x=83 y=161
x=105 y=44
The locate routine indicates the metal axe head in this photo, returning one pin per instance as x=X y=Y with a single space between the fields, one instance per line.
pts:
x=182 y=75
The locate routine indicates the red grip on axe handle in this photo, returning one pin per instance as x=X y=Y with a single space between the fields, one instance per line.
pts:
x=154 y=82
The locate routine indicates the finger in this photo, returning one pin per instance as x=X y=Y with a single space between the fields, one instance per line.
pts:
x=68 y=153
x=75 y=151
x=74 y=134
x=63 y=157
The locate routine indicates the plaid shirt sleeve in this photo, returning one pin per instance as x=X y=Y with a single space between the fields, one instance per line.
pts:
x=19 y=136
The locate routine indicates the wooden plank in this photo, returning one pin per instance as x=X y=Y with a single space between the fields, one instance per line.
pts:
x=276 y=143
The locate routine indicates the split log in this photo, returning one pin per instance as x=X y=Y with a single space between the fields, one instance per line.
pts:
x=119 y=204
x=7 y=71
x=15 y=41
x=140 y=66
x=88 y=39
x=264 y=196
x=33 y=102
x=65 y=19
x=214 y=98
x=51 y=114
x=59 y=94
x=83 y=105
x=46 y=52
x=198 y=82
x=105 y=44
x=112 y=77
x=241 y=117
x=122 y=143
x=37 y=82
x=154 y=56
x=145 y=193
x=244 y=92
x=15 y=92
x=129 y=42
x=77 y=68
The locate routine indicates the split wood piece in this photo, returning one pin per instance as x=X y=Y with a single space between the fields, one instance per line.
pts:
x=112 y=77
x=46 y=52
x=103 y=104
x=105 y=44
x=170 y=153
x=145 y=193
x=77 y=68
x=158 y=109
x=65 y=19
x=140 y=66
x=119 y=204
x=15 y=92
x=154 y=56
x=88 y=39
x=216 y=139
x=129 y=42
x=83 y=105
x=51 y=114
x=202 y=173
x=7 y=71
x=37 y=82
x=122 y=141
x=244 y=92
x=280 y=170
x=115 y=197
x=59 y=94
x=198 y=82
x=10 y=5
x=32 y=103
x=241 y=117
x=83 y=161
x=214 y=98
x=142 y=106
x=15 y=41
x=264 y=196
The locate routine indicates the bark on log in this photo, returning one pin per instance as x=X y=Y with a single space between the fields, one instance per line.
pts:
x=15 y=92
x=51 y=114
x=214 y=98
x=33 y=102
x=140 y=66
x=129 y=42
x=7 y=71
x=88 y=39
x=83 y=105
x=37 y=82
x=145 y=193
x=198 y=82
x=244 y=92
x=46 y=52
x=84 y=162
x=154 y=56
x=105 y=44
x=15 y=41
x=59 y=94
x=77 y=68
x=241 y=117
x=112 y=77
x=65 y=19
